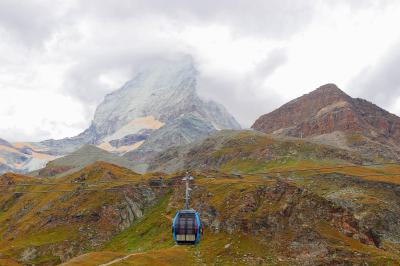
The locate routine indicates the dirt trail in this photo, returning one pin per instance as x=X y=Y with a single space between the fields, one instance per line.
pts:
x=120 y=259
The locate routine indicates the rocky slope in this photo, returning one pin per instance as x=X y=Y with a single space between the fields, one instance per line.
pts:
x=330 y=116
x=105 y=212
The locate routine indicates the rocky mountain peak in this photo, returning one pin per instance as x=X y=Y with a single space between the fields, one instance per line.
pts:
x=316 y=103
x=330 y=89
x=158 y=108
x=328 y=110
x=330 y=92
x=322 y=96
x=164 y=90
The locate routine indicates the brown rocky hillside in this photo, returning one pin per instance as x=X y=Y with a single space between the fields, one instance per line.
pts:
x=331 y=116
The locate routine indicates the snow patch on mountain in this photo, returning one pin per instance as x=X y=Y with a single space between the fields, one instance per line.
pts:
x=148 y=122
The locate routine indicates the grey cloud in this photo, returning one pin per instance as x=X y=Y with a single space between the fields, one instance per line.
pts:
x=35 y=21
x=242 y=95
x=274 y=60
x=362 y=4
x=18 y=134
x=83 y=79
x=31 y=23
x=273 y=18
x=381 y=82
x=245 y=107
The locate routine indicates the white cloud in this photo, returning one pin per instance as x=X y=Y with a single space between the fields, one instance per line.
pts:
x=44 y=115
x=59 y=58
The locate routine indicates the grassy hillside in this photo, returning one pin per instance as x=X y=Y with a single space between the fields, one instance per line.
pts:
x=251 y=151
x=331 y=217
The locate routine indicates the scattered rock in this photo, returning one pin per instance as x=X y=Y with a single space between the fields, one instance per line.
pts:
x=28 y=254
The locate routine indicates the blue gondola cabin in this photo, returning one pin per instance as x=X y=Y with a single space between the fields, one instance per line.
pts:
x=186 y=227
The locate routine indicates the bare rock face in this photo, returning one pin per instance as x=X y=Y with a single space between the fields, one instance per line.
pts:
x=327 y=110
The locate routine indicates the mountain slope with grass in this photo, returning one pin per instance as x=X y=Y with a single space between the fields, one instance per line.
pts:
x=251 y=151
x=263 y=201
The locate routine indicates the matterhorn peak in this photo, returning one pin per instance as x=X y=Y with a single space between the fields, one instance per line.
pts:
x=148 y=109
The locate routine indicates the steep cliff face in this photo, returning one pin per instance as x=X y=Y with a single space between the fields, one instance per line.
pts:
x=329 y=110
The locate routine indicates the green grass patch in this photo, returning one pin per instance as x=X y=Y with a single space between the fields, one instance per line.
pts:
x=152 y=231
x=54 y=235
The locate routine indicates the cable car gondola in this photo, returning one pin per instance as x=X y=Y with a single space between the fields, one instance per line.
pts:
x=186 y=226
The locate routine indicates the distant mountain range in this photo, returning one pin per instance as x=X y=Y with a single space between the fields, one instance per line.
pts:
x=159 y=109
x=22 y=157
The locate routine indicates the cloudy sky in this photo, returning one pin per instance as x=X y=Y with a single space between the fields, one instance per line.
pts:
x=59 y=58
